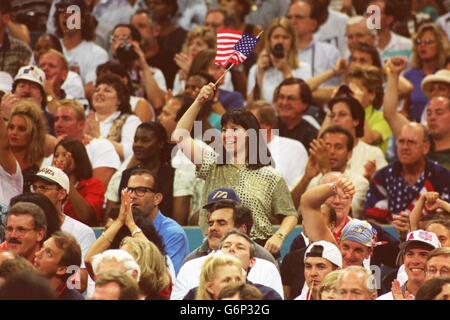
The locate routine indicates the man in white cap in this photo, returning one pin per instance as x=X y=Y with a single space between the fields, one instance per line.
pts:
x=53 y=183
x=414 y=253
x=28 y=83
x=321 y=258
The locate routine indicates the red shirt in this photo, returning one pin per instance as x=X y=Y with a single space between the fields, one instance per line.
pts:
x=93 y=191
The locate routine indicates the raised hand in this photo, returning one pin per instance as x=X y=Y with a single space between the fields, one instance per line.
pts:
x=431 y=198
x=206 y=93
x=263 y=61
x=340 y=67
x=344 y=188
x=7 y=104
x=397 y=291
x=396 y=65
x=125 y=206
x=401 y=222
x=369 y=169
x=183 y=61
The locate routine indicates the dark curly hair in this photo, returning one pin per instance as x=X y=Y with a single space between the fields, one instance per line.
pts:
x=122 y=92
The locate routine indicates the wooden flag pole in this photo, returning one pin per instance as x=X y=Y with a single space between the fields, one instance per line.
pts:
x=231 y=66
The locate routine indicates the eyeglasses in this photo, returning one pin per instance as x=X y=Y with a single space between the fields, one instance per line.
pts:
x=443 y=272
x=407 y=142
x=426 y=42
x=43 y=187
x=19 y=230
x=141 y=191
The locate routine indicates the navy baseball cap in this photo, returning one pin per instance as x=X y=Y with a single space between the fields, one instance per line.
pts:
x=224 y=196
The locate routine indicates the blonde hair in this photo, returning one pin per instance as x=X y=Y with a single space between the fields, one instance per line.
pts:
x=75 y=106
x=209 y=272
x=32 y=113
x=205 y=33
x=441 y=42
x=60 y=56
x=329 y=282
x=286 y=25
x=154 y=272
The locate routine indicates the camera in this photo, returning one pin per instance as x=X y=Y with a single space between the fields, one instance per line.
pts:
x=125 y=54
x=278 y=51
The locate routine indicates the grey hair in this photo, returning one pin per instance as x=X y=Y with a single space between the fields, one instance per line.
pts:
x=358 y=19
x=118 y=255
x=369 y=279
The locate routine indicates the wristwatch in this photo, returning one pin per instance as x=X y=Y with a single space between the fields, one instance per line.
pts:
x=50 y=98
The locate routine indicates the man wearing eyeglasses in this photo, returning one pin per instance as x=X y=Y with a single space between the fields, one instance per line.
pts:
x=25 y=230
x=53 y=183
x=438 y=263
x=145 y=195
x=395 y=189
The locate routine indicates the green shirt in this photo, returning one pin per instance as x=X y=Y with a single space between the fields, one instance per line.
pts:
x=262 y=190
x=376 y=122
x=442 y=157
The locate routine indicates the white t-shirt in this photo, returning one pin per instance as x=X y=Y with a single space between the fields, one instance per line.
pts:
x=362 y=153
x=88 y=56
x=273 y=77
x=101 y=153
x=10 y=184
x=397 y=46
x=263 y=272
x=73 y=86
x=290 y=158
x=127 y=134
x=333 y=31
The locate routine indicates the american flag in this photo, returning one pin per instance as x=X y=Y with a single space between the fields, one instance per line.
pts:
x=233 y=47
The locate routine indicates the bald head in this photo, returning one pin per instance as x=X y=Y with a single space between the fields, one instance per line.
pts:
x=413 y=144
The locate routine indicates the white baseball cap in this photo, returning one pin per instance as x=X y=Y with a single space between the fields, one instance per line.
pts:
x=31 y=73
x=55 y=175
x=421 y=236
x=326 y=250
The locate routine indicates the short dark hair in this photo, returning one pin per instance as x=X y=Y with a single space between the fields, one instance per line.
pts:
x=364 y=47
x=265 y=113
x=319 y=11
x=31 y=209
x=356 y=110
x=83 y=166
x=305 y=91
x=243 y=235
x=431 y=288
x=71 y=250
x=135 y=34
x=241 y=215
x=143 y=172
x=340 y=130
x=123 y=95
x=51 y=214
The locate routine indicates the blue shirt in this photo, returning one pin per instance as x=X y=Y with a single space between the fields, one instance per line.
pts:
x=174 y=238
x=418 y=99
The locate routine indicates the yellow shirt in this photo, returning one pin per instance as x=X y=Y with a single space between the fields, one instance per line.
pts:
x=376 y=122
